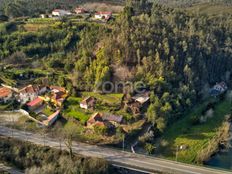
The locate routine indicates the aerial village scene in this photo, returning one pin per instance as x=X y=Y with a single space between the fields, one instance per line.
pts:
x=99 y=117
x=50 y=100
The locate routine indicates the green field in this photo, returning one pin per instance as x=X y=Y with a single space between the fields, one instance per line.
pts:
x=6 y=80
x=210 y=9
x=196 y=137
x=47 y=111
x=4 y=107
x=105 y=103
x=107 y=98
x=74 y=110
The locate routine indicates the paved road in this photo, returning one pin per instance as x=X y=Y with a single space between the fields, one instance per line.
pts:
x=116 y=157
x=8 y=169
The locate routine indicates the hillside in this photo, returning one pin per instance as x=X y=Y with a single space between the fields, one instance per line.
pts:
x=20 y=8
x=177 y=55
x=210 y=9
x=188 y=3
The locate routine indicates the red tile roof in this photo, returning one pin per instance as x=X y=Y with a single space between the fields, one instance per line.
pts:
x=56 y=10
x=4 y=92
x=104 y=13
x=34 y=102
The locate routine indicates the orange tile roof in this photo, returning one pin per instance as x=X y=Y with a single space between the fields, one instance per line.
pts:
x=29 y=89
x=99 y=123
x=53 y=115
x=4 y=92
x=92 y=118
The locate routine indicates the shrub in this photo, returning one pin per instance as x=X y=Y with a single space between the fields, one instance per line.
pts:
x=195 y=120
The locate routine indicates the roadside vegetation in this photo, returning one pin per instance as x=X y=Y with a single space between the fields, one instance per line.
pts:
x=36 y=159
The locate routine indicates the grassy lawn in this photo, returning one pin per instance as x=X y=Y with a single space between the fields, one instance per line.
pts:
x=34 y=27
x=195 y=137
x=80 y=115
x=74 y=110
x=211 y=9
x=106 y=103
x=41 y=20
x=47 y=111
x=112 y=99
x=6 y=106
x=3 y=107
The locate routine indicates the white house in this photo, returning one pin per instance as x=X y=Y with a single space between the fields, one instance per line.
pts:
x=218 y=89
x=88 y=103
x=61 y=13
x=27 y=93
x=43 y=16
x=103 y=15
x=6 y=95
x=142 y=98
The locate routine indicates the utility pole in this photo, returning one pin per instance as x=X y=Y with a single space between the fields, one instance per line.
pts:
x=177 y=148
x=25 y=130
x=43 y=134
x=44 y=137
x=12 y=131
x=123 y=143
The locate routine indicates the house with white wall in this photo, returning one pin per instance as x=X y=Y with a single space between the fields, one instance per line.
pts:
x=103 y=15
x=60 y=13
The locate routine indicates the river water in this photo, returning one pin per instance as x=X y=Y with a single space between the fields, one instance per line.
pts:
x=223 y=159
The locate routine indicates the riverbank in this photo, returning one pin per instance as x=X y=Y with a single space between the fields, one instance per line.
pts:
x=223 y=159
x=183 y=140
x=217 y=143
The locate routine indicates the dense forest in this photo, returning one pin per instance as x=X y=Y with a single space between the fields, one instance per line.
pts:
x=176 y=54
x=19 y=8
x=187 y=3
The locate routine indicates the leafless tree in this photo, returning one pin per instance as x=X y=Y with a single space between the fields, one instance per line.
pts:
x=57 y=133
x=69 y=133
